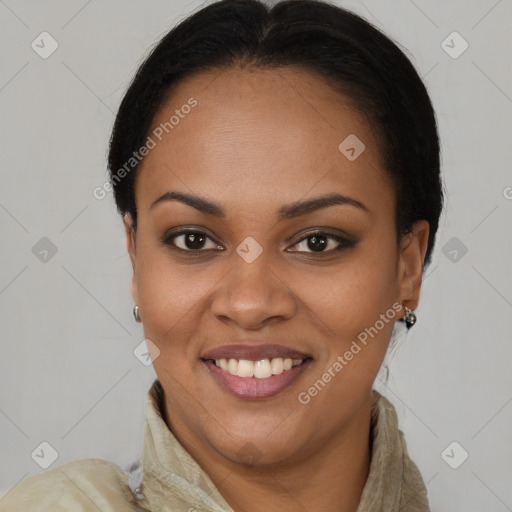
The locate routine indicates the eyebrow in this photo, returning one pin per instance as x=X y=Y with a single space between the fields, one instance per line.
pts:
x=289 y=211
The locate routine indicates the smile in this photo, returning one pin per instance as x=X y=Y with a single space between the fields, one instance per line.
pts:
x=256 y=380
x=262 y=369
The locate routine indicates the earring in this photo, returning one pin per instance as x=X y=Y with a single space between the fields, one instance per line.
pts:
x=136 y=313
x=409 y=317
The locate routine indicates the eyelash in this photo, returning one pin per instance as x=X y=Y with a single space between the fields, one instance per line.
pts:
x=344 y=242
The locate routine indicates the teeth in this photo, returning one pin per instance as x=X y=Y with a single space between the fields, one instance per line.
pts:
x=262 y=369
x=245 y=368
x=277 y=366
x=233 y=366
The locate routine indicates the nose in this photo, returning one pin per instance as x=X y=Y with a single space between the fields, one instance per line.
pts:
x=253 y=294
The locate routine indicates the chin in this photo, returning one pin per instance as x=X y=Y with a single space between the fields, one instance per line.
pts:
x=251 y=453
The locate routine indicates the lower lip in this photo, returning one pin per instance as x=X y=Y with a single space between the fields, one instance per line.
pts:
x=251 y=388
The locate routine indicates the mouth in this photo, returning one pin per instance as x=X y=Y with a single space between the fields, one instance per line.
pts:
x=261 y=369
x=255 y=372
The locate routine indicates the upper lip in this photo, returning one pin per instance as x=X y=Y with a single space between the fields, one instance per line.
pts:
x=254 y=352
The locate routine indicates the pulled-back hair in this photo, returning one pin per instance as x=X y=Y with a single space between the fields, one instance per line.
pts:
x=336 y=45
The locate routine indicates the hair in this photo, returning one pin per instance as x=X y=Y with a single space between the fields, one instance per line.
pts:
x=334 y=44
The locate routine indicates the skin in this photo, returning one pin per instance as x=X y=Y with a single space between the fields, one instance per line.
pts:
x=257 y=140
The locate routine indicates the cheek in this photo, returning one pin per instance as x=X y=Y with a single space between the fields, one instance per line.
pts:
x=353 y=297
x=170 y=296
x=356 y=305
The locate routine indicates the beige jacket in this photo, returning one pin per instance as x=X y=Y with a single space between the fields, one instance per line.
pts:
x=171 y=480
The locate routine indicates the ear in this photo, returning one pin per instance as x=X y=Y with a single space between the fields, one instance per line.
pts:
x=131 y=248
x=413 y=247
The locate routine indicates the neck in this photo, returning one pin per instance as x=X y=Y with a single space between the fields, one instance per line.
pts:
x=331 y=479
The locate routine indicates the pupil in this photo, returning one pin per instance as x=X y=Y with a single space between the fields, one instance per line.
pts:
x=317 y=243
x=194 y=241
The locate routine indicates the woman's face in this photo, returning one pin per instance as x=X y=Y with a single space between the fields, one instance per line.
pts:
x=253 y=282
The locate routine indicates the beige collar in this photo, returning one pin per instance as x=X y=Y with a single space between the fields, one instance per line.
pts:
x=172 y=479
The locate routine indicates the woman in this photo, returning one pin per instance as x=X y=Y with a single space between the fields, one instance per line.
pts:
x=278 y=175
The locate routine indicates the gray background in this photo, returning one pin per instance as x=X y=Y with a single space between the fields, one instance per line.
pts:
x=68 y=373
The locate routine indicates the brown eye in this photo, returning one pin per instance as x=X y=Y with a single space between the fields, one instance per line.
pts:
x=320 y=240
x=190 y=241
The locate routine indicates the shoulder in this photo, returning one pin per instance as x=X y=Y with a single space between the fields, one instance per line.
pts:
x=85 y=485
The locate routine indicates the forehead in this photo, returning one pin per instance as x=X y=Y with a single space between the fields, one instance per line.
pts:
x=260 y=135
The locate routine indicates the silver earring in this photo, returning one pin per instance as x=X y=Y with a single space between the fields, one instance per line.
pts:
x=409 y=318
x=136 y=313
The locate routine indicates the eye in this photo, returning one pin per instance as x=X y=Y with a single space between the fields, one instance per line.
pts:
x=320 y=240
x=317 y=242
x=190 y=240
